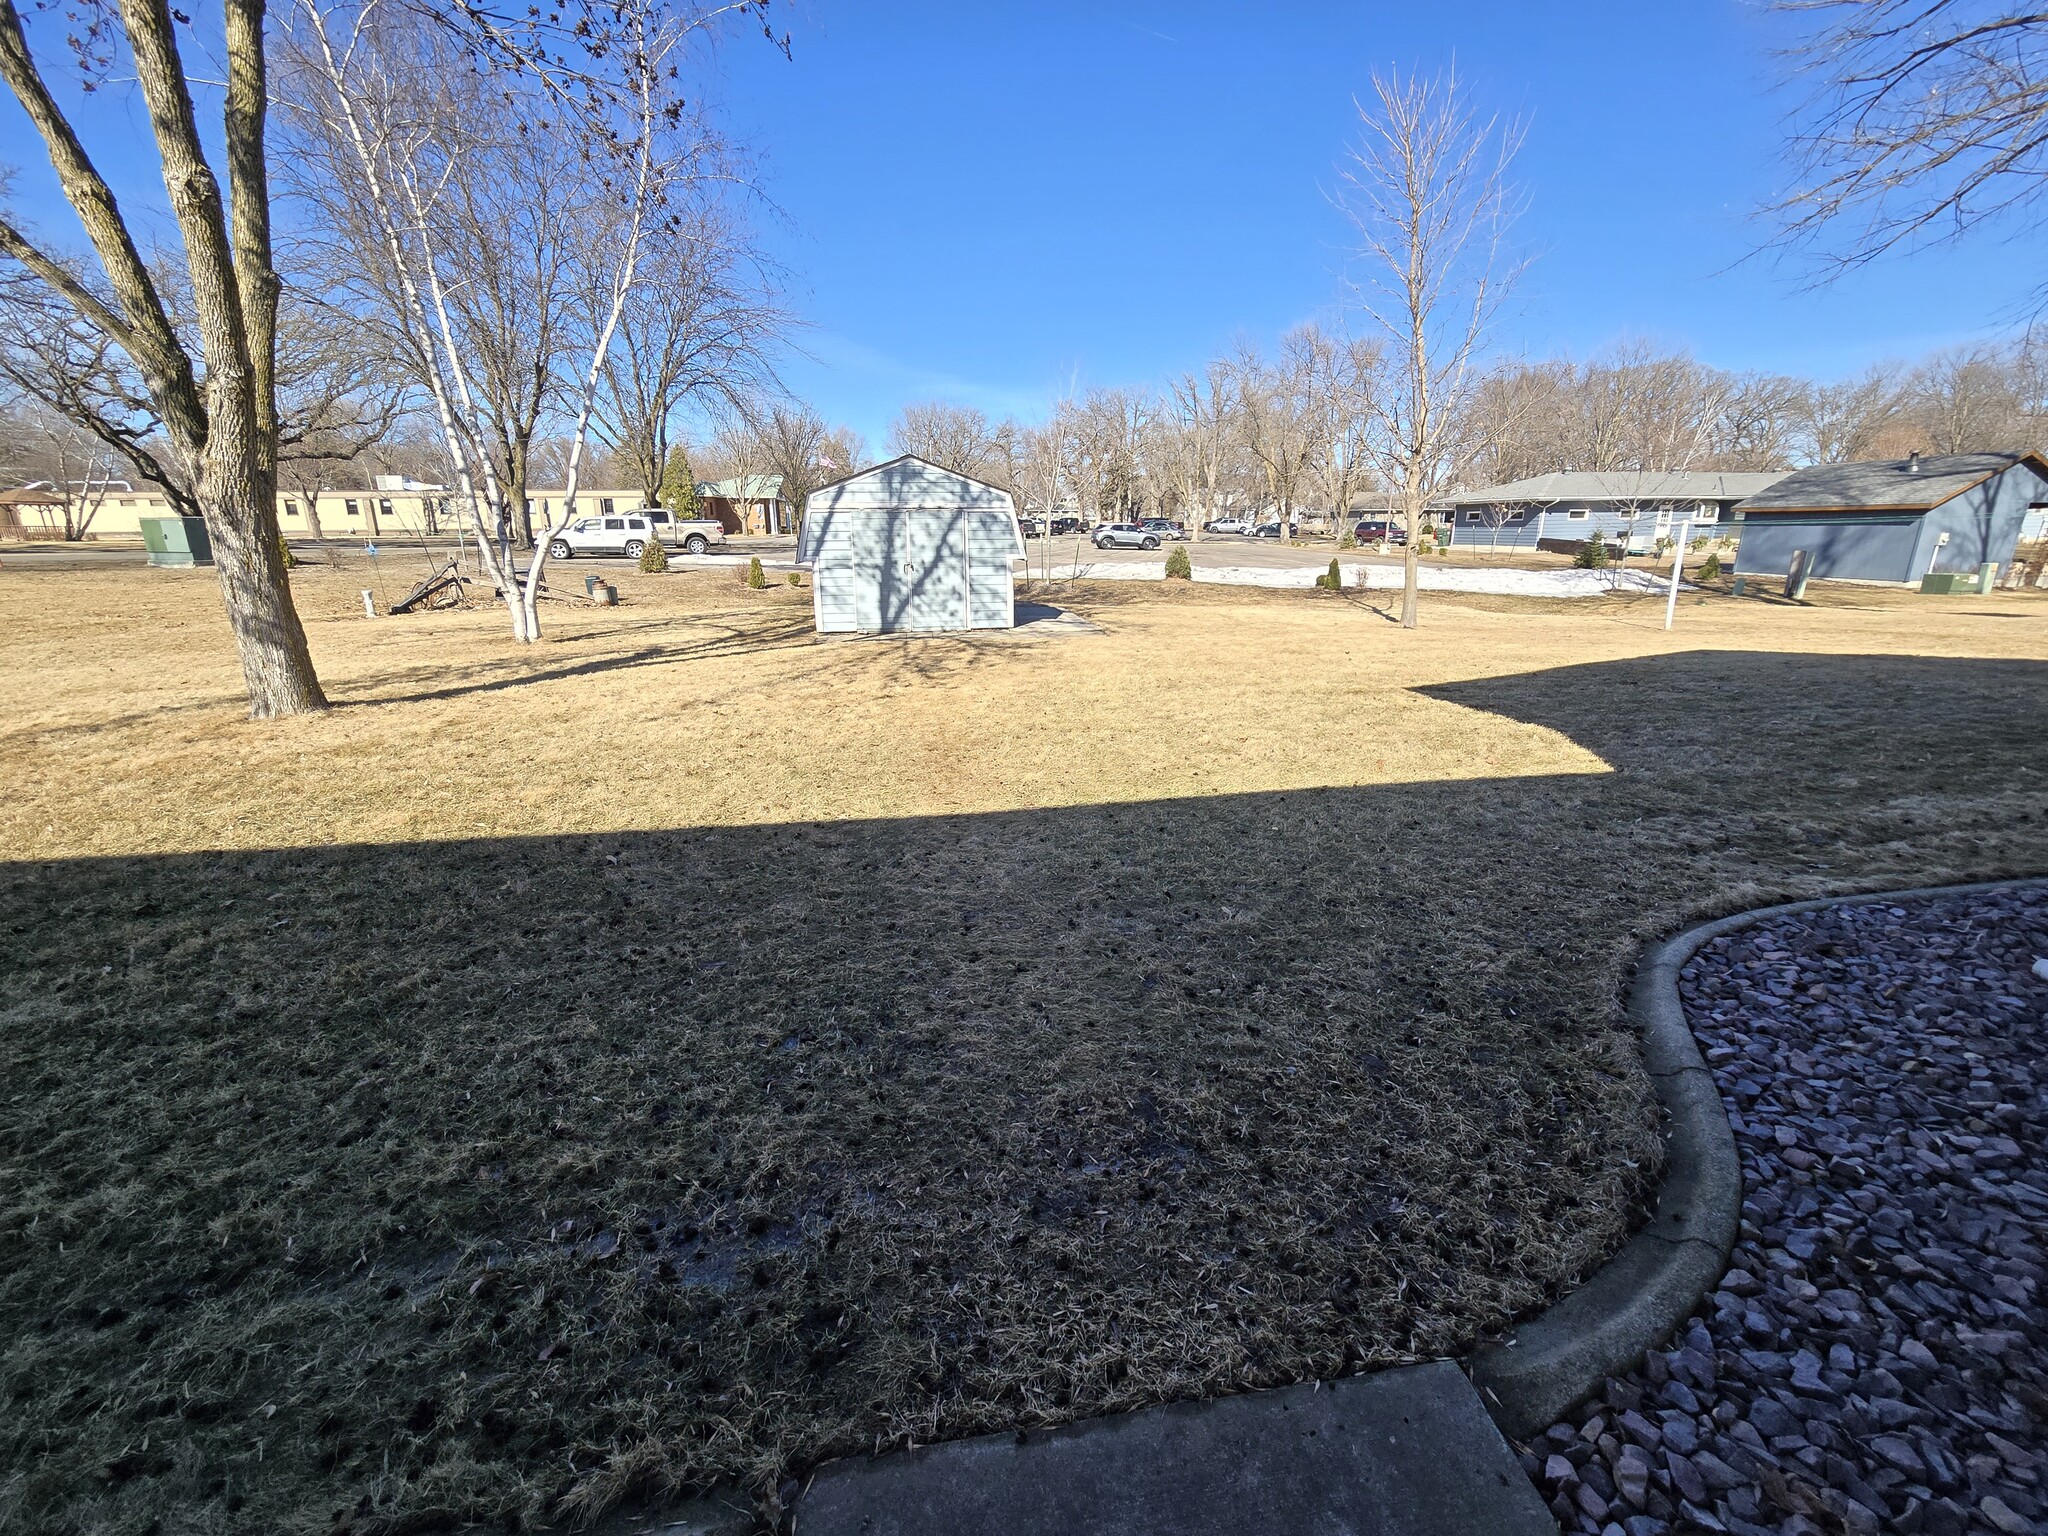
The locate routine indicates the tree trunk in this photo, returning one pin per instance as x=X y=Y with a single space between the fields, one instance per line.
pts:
x=1411 y=564
x=240 y=508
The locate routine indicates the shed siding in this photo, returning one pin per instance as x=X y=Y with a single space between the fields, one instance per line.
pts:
x=909 y=546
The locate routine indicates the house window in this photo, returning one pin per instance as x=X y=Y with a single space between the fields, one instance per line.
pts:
x=604 y=504
x=384 y=508
x=291 y=509
x=351 y=509
x=1709 y=515
x=1578 y=512
x=1475 y=515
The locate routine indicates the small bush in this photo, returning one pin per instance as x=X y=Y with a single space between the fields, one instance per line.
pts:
x=1592 y=555
x=654 y=558
x=1347 y=542
x=1178 y=567
x=756 y=577
x=284 y=550
x=796 y=578
x=1710 y=569
x=1332 y=580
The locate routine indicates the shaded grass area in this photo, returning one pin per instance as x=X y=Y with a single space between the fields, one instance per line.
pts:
x=502 y=1179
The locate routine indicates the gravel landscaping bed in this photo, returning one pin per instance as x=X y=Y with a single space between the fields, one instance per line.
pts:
x=1876 y=1359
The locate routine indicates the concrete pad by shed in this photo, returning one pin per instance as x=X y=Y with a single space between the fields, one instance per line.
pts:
x=1401 y=1453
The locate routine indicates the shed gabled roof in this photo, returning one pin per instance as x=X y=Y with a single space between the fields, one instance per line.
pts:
x=908 y=458
x=904 y=484
x=1887 y=485
x=1631 y=485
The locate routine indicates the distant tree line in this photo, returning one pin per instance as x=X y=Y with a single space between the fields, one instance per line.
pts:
x=1291 y=429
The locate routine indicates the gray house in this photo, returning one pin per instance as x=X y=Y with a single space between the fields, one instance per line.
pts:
x=1894 y=519
x=1629 y=508
x=908 y=545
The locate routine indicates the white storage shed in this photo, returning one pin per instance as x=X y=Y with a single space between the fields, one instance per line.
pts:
x=908 y=545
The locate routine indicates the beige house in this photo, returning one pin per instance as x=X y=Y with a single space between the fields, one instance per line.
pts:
x=396 y=508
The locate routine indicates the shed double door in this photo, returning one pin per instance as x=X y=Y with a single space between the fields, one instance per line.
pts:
x=910 y=572
x=932 y=570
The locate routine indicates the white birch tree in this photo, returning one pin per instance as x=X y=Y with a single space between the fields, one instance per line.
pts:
x=1426 y=188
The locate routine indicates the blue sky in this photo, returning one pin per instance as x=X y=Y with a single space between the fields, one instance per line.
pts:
x=984 y=201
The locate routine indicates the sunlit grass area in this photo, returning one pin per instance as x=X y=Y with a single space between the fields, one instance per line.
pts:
x=686 y=1050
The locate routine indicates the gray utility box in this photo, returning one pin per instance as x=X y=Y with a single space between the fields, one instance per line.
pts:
x=176 y=541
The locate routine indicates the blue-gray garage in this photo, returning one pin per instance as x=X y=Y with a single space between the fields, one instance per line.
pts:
x=1893 y=519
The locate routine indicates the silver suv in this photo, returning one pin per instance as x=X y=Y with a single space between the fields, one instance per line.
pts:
x=1124 y=536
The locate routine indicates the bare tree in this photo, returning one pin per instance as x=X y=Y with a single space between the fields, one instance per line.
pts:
x=1047 y=465
x=51 y=355
x=697 y=332
x=793 y=438
x=74 y=465
x=223 y=432
x=376 y=113
x=1835 y=422
x=1426 y=186
x=1274 y=416
x=1925 y=118
x=1344 y=376
x=1966 y=399
x=336 y=400
x=958 y=437
x=1195 y=417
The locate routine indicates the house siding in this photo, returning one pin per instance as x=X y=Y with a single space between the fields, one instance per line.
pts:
x=1555 y=522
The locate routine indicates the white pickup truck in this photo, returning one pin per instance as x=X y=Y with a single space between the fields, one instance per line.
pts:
x=628 y=533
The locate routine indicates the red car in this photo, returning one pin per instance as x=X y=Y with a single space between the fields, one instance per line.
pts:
x=1380 y=530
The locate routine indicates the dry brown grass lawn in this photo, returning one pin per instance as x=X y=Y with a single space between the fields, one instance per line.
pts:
x=687 y=1050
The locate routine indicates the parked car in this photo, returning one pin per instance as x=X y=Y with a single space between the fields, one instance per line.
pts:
x=1380 y=530
x=1230 y=525
x=1165 y=527
x=1124 y=536
x=693 y=535
x=629 y=533
x=1266 y=531
x=1066 y=523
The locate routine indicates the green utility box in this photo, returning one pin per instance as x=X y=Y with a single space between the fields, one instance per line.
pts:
x=176 y=541
x=1946 y=583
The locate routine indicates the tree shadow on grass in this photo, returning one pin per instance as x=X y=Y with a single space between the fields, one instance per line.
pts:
x=508 y=1179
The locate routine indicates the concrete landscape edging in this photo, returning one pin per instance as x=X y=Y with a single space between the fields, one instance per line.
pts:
x=1639 y=1297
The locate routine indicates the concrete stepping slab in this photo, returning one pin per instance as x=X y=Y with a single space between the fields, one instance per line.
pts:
x=1408 y=1452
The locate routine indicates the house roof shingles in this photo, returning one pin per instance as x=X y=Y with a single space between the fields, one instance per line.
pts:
x=1630 y=485
x=1886 y=485
x=743 y=488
